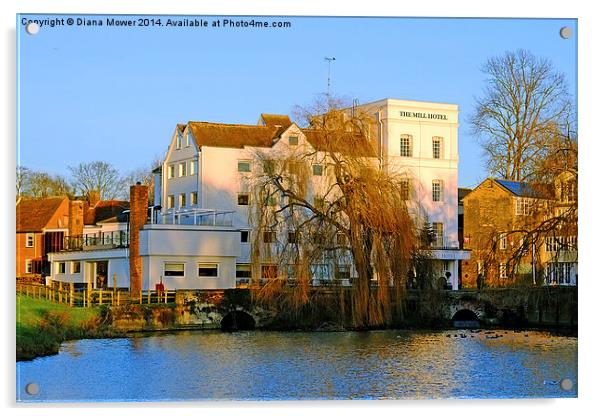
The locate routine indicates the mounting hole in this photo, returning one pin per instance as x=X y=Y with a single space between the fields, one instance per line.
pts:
x=566 y=384
x=565 y=32
x=32 y=389
x=32 y=28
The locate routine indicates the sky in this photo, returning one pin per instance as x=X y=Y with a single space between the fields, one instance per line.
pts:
x=90 y=93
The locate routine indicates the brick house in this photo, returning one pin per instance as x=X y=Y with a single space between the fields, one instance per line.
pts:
x=41 y=226
x=495 y=212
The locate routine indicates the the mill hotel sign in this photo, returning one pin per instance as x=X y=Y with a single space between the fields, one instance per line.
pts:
x=425 y=116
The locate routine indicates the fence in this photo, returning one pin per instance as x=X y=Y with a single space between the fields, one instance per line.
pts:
x=67 y=294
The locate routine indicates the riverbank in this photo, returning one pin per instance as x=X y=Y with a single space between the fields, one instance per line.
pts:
x=42 y=326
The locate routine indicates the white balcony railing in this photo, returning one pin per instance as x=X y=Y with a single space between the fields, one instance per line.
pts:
x=196 y=216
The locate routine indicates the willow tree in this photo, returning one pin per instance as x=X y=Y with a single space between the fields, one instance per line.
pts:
x=325 y=213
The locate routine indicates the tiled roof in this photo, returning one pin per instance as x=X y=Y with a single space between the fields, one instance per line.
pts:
x=354 y=145
x=276 y=120
x=232 y=135
x=34 y=214
x=107 y=211
x=520 y=188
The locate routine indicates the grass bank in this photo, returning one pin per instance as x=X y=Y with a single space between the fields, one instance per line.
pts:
x=43 y=325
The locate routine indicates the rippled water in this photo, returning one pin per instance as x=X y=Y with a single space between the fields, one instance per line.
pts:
x=259 y=365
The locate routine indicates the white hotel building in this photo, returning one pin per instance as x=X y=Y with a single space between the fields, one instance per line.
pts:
x=199 y=237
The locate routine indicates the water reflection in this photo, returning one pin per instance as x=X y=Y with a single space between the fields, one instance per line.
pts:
x=284 y=365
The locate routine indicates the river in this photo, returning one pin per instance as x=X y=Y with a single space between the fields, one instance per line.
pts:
x=257 y=365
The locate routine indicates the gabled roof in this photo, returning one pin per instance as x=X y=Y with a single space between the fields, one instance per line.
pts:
x=233 y=135
x=34 y=214
x=354 y=145
x=277 y=120
x=521 y=189
x=106 y=211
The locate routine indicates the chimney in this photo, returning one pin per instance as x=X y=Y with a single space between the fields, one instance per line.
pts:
x=93 y=198
x=76 y=218
x=138 y=217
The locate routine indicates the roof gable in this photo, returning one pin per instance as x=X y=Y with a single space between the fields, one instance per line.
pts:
x=33 y=215
x=521 y=189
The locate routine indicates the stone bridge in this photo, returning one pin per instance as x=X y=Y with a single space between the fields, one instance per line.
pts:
x=235 y=309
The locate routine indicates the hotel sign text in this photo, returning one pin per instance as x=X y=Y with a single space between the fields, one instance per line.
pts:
x=427 y=116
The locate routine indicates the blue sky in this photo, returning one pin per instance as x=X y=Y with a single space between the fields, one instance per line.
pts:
x=116 y=94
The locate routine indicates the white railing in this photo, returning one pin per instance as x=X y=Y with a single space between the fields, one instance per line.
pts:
x=196 y=216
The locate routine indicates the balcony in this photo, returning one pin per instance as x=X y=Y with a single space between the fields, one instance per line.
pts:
x=97 y=241
x=196 y=216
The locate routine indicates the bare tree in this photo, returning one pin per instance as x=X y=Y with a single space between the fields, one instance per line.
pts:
x=34 y=184
x=97 y=176
x=325 y=207
x=22 y=178
x=143 y=175
x=516 y=118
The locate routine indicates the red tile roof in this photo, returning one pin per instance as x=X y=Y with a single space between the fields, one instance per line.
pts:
x=34 y=214
x=105 y=211
x=232 y=135
x=277 y=120
x=349 y=144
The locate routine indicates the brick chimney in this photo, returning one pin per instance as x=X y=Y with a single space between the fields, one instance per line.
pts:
x=76 y=218
x=138 y=216
x=93 y=198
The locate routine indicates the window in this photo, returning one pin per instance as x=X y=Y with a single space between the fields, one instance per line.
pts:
x=171 y=171
x=207 y=269
x=170 y=201
x=437 y=147
x=173 y=270
x=244 y=166
x=269 y=271
x=76 y=267
x=341 y=239
x=187 y=140
x=182 y=200
x=244 y=236
x=319 y=271
x=524 y=206
x=561 y=243
x=243 y=271
x=568 y=191
x=60 y=267
x=316 y=170
x=503 y=243
x=179 y=141
x=29 y=240
x=269 y=237
x=437 y=190
x=342 y=271
x=182 y=169
x=405 y=145
x=438 y=231
x=194 y=198
x=293 y=140
x=293 y=237
x=559 y=273
x=28 y=266
x=243 y=199
x=405 y=189
x=269 y=167
x=503 y=271
x=193 y=164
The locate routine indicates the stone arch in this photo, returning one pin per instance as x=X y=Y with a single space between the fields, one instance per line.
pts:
x=465 y=315
x=474 y=307
x=237 y=320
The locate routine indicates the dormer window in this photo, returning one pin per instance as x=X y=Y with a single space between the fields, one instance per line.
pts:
x=179 y=141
